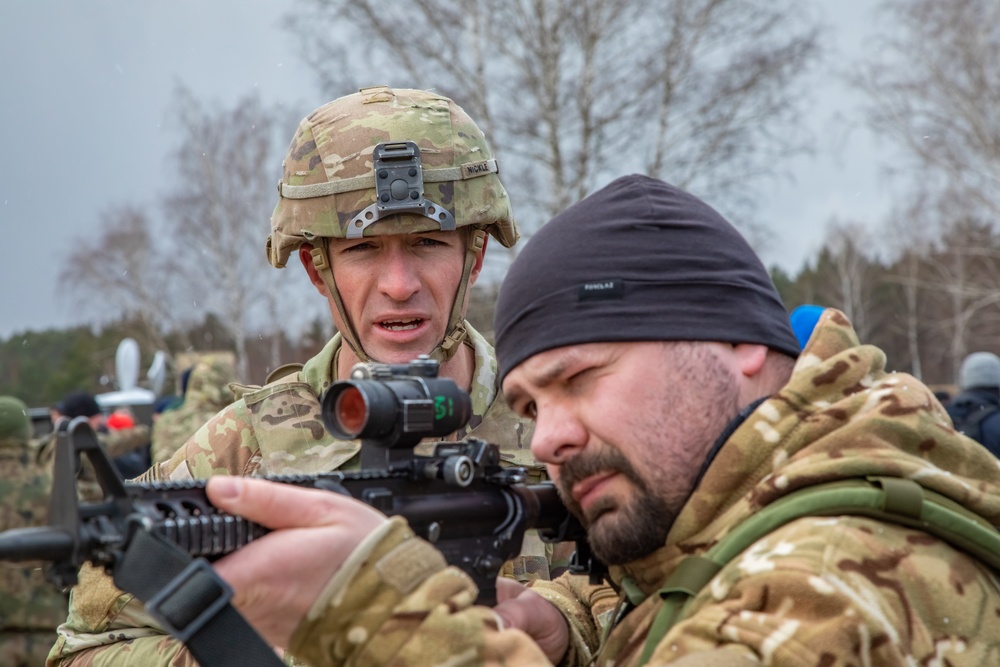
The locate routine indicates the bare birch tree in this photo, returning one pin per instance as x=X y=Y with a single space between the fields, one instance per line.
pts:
x=934 y=89
x=847 y=275
x=217 y=217
x=120 y=274
x=911 y=236
x=207 y=255
x=572 y=93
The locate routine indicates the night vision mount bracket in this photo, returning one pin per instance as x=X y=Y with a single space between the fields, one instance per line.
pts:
x=399 y=188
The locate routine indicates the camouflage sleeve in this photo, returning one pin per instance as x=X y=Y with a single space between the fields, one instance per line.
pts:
x=588 y=609
x=396 y=601
x=106 y=627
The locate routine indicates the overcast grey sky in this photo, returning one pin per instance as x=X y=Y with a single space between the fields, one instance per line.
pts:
x=86 y=86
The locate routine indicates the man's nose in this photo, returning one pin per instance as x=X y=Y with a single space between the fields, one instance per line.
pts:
x=399 y=277
x=559 y=434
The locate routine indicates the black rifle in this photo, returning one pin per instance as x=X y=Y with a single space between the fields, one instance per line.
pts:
x=459 y=498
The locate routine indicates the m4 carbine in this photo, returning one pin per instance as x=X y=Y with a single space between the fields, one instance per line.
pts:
x=459 y=498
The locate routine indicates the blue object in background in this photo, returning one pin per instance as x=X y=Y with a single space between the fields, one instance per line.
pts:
x=803 y=320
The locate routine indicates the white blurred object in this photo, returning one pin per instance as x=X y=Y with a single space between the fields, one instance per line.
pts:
x=127 y=364
x=127 y=371
x=157 y=373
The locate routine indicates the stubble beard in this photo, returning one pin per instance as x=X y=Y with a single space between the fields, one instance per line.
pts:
x=618 y=534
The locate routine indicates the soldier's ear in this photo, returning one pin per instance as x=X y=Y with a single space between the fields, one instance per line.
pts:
x=305 y=256
x=477 y=266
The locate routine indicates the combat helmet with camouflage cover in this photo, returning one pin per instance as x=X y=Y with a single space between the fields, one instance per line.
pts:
x=389 y=161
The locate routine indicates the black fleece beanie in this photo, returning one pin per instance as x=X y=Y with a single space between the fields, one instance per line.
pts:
x=638 y=260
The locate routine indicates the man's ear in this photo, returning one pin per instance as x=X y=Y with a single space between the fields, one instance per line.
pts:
x=305 y=256
x=477 y=266
x=750 y=358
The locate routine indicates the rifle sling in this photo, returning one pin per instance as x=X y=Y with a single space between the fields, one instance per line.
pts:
x=192 y=602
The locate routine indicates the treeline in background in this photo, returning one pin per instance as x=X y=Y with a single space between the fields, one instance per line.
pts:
x=709 y=95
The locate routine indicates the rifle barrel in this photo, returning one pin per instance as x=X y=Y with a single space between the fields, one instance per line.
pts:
x=37 y=543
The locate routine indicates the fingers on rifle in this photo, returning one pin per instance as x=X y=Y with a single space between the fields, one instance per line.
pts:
x=273 y=504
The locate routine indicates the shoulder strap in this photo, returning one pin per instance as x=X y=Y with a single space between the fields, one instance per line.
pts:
x=283 y=371
x=893 y=500
x=287 y=372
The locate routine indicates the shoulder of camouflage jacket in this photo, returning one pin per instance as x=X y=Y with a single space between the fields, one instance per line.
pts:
x=841 y=416
x=228 y=442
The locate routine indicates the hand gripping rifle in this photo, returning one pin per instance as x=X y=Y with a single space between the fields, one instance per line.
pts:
x=145 y=534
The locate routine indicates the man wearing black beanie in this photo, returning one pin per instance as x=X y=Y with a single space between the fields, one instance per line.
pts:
x=756 y=505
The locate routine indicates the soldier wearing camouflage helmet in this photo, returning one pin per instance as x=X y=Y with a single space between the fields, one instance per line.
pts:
x=387 y=197
x=30 y=607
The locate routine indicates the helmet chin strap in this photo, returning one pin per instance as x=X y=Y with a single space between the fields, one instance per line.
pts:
x=320 y=259
x=456 y=333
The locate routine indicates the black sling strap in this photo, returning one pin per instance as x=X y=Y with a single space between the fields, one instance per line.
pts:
x=192 y=602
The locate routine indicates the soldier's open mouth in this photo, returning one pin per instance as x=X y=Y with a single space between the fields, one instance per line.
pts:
x=404 y=325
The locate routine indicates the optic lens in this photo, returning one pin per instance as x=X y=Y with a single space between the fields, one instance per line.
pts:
x=351 y=411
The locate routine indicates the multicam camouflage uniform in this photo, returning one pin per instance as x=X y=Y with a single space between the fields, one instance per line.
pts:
x=30 y=606
x=207 y=393
x=277 y=429
x=818 y=592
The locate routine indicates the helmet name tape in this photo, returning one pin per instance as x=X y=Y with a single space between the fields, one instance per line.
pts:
x=340 y=186
x=399 y=188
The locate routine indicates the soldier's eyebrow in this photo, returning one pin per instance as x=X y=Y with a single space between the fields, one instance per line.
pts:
x=539 y=379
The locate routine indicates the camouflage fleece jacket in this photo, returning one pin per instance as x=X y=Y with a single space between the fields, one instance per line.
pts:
x=818 y=592
x=275 y=429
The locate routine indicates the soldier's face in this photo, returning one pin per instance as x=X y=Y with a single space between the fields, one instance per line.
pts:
x=624 y=429
x=398 y=290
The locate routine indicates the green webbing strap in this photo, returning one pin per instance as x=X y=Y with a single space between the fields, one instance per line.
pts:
x=888 y=499
x=691 y=576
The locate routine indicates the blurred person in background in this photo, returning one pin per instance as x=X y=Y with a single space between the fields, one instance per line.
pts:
x=975 y=410
x=30 y=607
x=206 y=393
